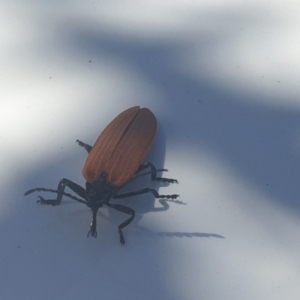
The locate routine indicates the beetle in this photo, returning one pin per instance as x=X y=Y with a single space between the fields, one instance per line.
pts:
x=115 y=159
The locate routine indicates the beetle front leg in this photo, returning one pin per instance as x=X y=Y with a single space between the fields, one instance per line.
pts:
x=125 y=210
x=153 y=173
x=60 y=192
x=93 y=226
x=87 y=147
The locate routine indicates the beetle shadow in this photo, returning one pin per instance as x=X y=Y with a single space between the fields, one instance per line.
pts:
x=114 y=218
x=172 y=234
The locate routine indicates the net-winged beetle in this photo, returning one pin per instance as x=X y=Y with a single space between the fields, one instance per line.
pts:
x=113 y=161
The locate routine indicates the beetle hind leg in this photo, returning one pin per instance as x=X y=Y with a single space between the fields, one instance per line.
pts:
x=125 y=210
x=154 y=173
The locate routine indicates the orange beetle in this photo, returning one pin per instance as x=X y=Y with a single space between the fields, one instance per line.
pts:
x=113 y=161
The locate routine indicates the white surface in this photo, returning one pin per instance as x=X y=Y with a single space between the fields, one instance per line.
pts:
x=223 y=81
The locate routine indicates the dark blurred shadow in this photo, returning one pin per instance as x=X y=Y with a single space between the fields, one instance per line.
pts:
x=184 y=234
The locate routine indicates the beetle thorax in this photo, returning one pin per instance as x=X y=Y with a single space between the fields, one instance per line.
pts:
x=99 y=192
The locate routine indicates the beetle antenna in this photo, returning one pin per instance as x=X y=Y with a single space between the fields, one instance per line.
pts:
x=53 y=191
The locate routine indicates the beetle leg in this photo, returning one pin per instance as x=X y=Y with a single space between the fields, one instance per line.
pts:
x=87 y=147
x=125 y=210
x=93 y=231
x=154 y=171
x=60 y=192
x=144 y=191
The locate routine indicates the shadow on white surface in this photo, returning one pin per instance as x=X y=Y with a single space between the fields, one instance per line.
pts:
x=229 y=121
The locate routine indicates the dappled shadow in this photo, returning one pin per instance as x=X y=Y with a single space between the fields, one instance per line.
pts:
x=255 y=140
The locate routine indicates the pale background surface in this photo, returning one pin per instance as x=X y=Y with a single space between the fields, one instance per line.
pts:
x=222 y=77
